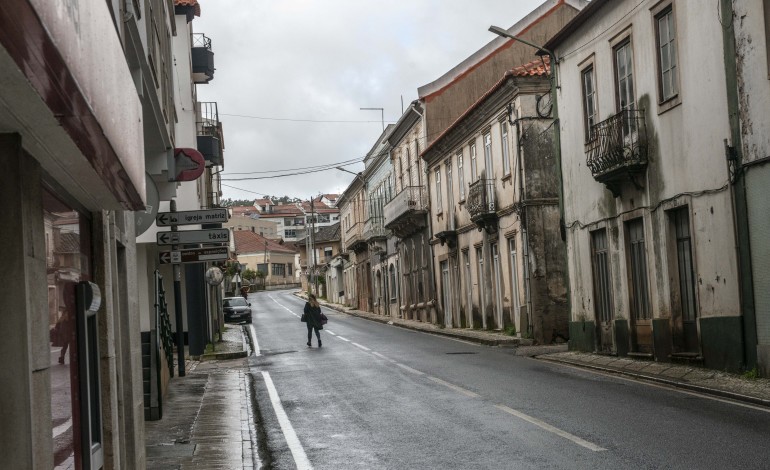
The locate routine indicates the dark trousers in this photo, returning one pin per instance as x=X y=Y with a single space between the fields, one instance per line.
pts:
x=310 y=329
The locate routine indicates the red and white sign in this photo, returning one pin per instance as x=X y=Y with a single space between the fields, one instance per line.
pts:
x=188 y=164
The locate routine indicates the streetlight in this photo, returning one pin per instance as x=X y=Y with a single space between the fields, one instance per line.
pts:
x=557 y=134
x=357 y=175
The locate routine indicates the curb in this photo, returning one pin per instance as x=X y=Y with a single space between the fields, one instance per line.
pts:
x=503 y=343
x=670 y=382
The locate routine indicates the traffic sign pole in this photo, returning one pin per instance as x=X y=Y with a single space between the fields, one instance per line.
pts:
x=178 y=305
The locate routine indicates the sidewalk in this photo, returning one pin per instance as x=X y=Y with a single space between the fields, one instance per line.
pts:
x=207 y=414
x=696 y=379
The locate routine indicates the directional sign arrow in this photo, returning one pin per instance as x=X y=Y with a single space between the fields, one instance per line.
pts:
x=216 y=235
x=165 y=219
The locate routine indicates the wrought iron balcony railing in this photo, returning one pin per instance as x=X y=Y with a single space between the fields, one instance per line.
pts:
x=373 y=229
x=210 y=142
x=411 y=199
x=481 y=198
x=202 y=59
x=618 y=147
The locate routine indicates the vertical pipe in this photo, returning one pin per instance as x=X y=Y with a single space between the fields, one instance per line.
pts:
x=178 y=317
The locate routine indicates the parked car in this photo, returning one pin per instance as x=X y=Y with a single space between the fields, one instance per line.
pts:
x=236 y=309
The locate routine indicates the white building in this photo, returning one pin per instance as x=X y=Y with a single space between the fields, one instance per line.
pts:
x=647 y=193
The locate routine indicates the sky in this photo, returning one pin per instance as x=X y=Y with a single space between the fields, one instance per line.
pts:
x=292 y=75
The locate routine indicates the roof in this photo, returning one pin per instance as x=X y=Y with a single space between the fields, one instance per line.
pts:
x=189 y=3
x=538 y=68
x=574 y=24
x=484 y=54
x=243 y=210
x=330 y=233
x=247 y=241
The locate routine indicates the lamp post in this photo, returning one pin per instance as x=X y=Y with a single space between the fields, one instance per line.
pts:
x=357 y=175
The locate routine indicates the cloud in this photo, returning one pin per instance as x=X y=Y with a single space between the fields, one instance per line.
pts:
x=323 y=60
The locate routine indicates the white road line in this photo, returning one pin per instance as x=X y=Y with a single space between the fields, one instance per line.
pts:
x=333 y=334
x=414 y=371
x=62 y=428
x=285 y=307
x=254 y=342
x=454 y=387
x=300 y=458
x=549 y=428
x=343 y=339
x=360 y=347
x=380 y=356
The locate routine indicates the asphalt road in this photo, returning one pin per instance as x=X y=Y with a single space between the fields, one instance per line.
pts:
x=381 y=397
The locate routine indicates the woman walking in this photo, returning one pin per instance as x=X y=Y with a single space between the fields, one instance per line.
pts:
x=312 y=317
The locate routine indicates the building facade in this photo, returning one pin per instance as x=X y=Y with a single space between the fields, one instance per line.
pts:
x=494 y=191
x=648 y=211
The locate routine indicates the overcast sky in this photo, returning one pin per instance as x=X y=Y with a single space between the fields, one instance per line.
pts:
x=284 y=65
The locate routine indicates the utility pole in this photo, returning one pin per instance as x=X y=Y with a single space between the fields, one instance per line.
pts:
x=312 y=242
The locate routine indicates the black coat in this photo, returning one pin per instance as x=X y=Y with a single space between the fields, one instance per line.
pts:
x=313 y=316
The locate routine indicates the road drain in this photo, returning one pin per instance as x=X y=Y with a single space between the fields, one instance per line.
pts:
x=462 y=352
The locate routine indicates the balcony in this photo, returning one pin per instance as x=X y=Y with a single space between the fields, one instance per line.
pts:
x=447 y=230
x=210 y=142
x=617 y=149
x=374 y=230
x=405 y=213
x=482 y=205
x=202 y=59
x=354 y=238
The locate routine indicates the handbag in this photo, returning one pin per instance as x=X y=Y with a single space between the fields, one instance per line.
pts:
x=303 y=318
x=324 y=320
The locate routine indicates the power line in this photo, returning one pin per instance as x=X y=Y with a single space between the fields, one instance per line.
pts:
x=336 y=121
x=325 y=166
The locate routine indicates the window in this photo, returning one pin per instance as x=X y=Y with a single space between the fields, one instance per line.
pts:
x=488 y=171
x=408 y=168
x=601 y=271
x=289 y=233
x=640 y=303
x=279 y=269
x=474 y=168
x=438 y=191
x=681 y=218
x=327 y=253
x=504 y=143
x=449 y=190
x=289 y=268
x=515 y=301
x=667 y=61
x=624 y=76
x=589 y=100
x=392 y=283
x=460 y=175
x=262 y=268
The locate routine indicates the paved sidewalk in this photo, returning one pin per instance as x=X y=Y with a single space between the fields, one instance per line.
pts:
x=697 y=379
x=207 y=414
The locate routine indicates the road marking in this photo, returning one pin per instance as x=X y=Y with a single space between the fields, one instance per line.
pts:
x=285 y=307
x=300 y=458
x=62 y=428
x=381 y=356
x=414 y=371
x=549 y=428
x=254 y=342
x=333 y=334
x=454 y=387
x=360 y=347
x=343 y=339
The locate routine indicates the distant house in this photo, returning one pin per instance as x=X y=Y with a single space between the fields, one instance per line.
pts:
x=275 y=260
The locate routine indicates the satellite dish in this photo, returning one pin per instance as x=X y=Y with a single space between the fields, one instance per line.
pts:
x=214 y=276
x=143 y=219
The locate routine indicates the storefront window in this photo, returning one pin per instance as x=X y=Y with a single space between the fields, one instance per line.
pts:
x=68 y=260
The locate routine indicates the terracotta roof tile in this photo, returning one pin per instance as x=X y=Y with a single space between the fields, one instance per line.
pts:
x=189 y=3
x=247 y=241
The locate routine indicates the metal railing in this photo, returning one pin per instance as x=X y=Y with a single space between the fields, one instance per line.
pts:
x=373 y=228
x=411 y=198
x=163 y=321
x=201 y=40
x=208 y=119
x=481 y=197
x=354 y=234
x=617 y=142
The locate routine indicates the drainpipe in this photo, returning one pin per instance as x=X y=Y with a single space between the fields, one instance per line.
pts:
x=738 y=191
x=524 y=235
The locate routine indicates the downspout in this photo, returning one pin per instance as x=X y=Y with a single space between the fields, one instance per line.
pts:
x=738 y=191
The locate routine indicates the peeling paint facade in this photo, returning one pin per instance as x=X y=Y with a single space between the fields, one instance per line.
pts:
x=751 y=28
x=648 y=211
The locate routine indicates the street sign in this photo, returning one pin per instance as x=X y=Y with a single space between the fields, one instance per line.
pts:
x=214 y=235
x=167 y=219
x=194 y=255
